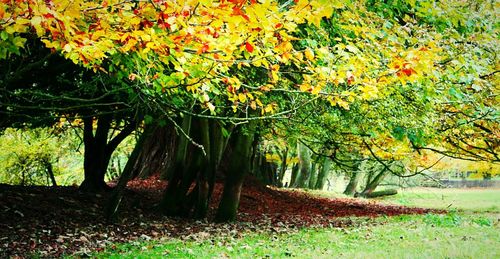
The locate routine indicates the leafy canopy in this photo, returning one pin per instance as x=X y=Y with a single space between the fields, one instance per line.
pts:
x=199 y=50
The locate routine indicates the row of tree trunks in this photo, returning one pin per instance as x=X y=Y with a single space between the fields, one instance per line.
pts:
x=190 y=160
x=308 y=172
x=191 y=178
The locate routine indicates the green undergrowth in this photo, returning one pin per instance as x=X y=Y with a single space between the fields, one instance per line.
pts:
x=410 y=236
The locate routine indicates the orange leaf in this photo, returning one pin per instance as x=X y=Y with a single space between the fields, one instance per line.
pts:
x=249 y=47
x=203 y=49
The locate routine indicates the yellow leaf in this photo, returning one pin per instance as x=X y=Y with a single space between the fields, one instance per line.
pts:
x=242 y=97
x=97 y=34
x=253 y=105
x=316 y=90
x=298 y=56
x=268 y=109
x=309 y=54
x=305 y=87
x=135 y=21
x=67 y=47
x=124 y=37
x=274 y=75
x=35 y=22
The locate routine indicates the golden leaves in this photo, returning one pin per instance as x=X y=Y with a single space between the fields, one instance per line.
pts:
x=214 y=36
x=309 y=54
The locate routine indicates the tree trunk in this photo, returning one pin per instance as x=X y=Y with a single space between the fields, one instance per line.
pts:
x=380 y=193
x=205 y=172
x=96 y=156
x=218 y=146
x=294 y=175
x=115 y=199
x=189 y=161
x=239 y=165
x=353 y=182
x=98 y=151
x=50 y=172
x=193 y=166
x=314 y=174
x=175 y=200
x=371 y=186
x=304 y=165
x=157 y=152
x=283 y=167
x=323 y=174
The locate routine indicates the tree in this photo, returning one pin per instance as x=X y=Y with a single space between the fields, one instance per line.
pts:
x=357 y=68
x=39 y=88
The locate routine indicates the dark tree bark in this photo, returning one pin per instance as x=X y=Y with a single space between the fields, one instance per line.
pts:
x=50 y=172
x=205 y=173
x=98 y=151
x=239 y=165
x=192 y=176
x=294 y=175
x=156 y=153
x=181 y=175
x=115 y=199
x=217 y=149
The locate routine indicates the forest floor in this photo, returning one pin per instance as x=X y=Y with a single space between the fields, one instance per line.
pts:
x=56 y=221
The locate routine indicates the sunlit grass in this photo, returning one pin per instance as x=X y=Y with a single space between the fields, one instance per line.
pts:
x=468 y=200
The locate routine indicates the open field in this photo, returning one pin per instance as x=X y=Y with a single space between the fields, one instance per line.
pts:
x=471 y=232
x=467 y=200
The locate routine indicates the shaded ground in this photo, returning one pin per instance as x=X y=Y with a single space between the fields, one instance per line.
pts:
x=54 y=221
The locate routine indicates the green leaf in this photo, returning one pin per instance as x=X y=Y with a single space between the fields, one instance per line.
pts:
x=4 y=35
x=398 y=133
x=148 y=119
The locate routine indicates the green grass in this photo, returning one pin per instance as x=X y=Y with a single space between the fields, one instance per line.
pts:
x=469 y=200
x=458 y=234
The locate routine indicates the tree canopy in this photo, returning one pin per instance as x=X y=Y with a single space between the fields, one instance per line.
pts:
x=351 y=80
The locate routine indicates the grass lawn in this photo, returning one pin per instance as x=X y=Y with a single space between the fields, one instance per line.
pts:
x=466 y=200
x=473 y=231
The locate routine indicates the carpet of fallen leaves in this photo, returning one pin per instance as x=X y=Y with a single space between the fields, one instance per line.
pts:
x=55 y=221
